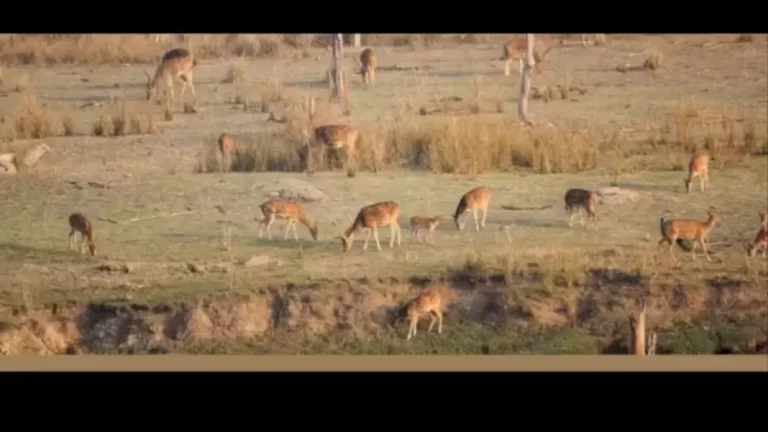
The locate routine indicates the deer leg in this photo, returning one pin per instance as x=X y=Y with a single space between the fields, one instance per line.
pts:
x=672 y=241
x=432 y=322
x=570 y=220
x=477 y=223
x=693 y=248
x=376 y=237
x=72 y=240
x=485 y=213
x=520 y=63
x=82 y=244
x=418 y=237
x=411 y=330
x=367 y=238
x=439 y=322
x=269 y=226
x=506 y=67
x=431 y=239
x=704 y=246
x=581 y=217
x=287 y=228
x=399 y=234
x=701 y=181
x=295 y=234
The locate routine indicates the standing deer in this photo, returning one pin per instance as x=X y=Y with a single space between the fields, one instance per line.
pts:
x=177 y=63
x=428 y=303
x=514 y=49
x=227 y=149
x=698 y=167
x=333 y=136
x=368 y=63
x=581 y=199
x=474 y=200
x=419 y=223
x=761 y=239
x=285 y=209
x=79 y=223
x=674 y=229
x=371 y=218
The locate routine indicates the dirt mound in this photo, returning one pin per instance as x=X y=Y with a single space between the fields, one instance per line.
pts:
x=294 y=189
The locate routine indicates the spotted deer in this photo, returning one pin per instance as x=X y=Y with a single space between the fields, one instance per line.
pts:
x=761 y=239
x=333 y=136
x=368 y=64
x=474 y=200
x=177 y=63
x=428 y=303
x=79 y=223
x=371 y=218
x=227 y=148
x=514 y=49
x=698 y=167
x=419 y=223
x=688 y=229
x=581 y=199
x=285 y=209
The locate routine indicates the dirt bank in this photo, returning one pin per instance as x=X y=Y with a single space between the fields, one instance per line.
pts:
x=511 y=306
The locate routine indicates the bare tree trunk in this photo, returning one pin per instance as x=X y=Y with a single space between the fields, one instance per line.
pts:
x=356 y=40
x=338 y=57
x=525 y=85
x=637 y=327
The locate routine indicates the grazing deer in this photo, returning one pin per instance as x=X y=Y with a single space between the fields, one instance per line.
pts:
x=176 y=63
x=333 y=136
x=514 y=49
x=285 y=209
x=368 y=63
x=371 y=218
x=419 y=223
x=675 y=229
x=429 y=302
x=474 y=200
x=79 y=223
x=761 y=239
x=581 y=199
x=698 y=167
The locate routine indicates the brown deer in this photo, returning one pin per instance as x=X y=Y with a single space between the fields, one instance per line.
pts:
x=514 y=49
x=227 y=148
x=175 y=64
x=698 y=167
x=761 y=239
x=333 y=136
x=285 y=209
x=79 y=223
x=368 y=64
x=427 y=303
x=581 y=199
x=371 y=218
x=688 y=229
x=429 y=224
x=474 y=200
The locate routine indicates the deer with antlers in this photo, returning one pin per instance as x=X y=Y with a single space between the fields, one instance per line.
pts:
x=175 y=64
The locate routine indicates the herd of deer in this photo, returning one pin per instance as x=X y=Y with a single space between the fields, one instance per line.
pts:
x=178 y=63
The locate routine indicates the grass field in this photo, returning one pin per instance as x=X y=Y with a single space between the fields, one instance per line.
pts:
x=163 y=278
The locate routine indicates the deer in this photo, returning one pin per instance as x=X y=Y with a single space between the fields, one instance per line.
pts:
x=285 y=209
x=227 y=147
x=514 y=49
x=474 y=200
x=427 y=303
x=581 y=199
x=696 y=231
x=333 y=136
x=368 y=63
x=371 y=218
x=79 y=223
x=761 y=239
x=698 y=167
x=419 y=223
x=175 y=64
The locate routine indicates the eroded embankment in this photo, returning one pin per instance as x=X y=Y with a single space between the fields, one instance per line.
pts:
x=364 y=309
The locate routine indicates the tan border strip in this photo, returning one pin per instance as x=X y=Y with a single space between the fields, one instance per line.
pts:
x=385 y=363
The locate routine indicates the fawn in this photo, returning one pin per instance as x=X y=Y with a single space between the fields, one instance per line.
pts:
x=697 y=231
x=419 y=223
x=429 y=302
x=79 y=223
x=175 y=64
x=373 y=217
x=698 y=167
x=368 y=63
x=285 y=209
x=474 y=200
x=581 y=199
x=761 y=239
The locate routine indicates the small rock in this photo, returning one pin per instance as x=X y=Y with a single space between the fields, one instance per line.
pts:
x=257 y=260
x=194 y=268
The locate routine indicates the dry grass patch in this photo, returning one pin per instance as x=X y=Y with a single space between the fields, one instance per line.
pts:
x=122 y=119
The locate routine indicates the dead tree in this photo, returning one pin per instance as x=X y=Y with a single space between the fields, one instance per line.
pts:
x=337 y=71
x=638 y=345
x=525 y=84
